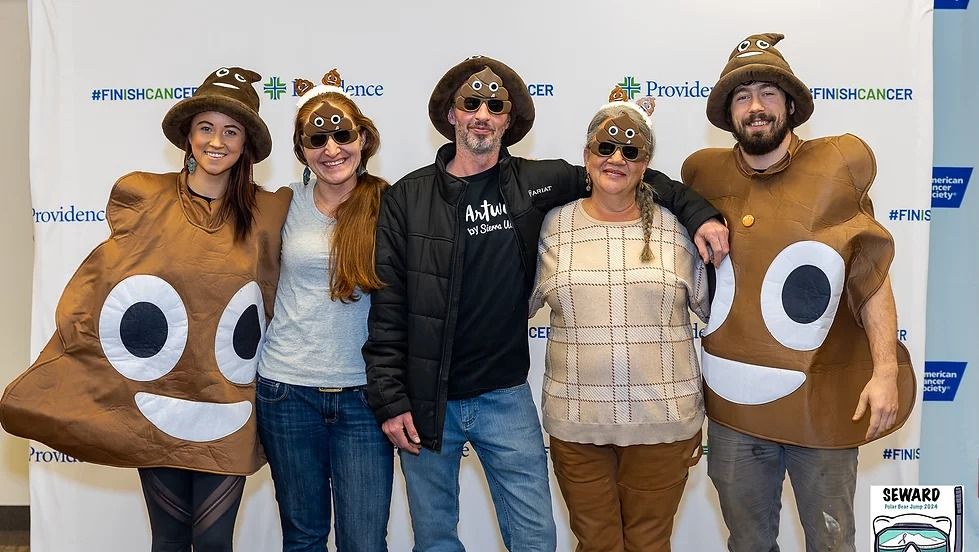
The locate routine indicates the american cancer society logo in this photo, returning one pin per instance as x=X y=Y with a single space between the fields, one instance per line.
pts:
x=917 y=518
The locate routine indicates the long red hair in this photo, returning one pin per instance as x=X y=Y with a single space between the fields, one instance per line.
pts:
x=352 y=245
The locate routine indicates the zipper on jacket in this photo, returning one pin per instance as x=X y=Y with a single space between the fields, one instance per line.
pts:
x=513 y=225
x=455 y=288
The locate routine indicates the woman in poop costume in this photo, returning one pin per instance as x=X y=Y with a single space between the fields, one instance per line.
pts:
x=152 y=364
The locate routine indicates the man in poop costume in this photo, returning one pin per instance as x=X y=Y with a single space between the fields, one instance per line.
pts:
x=152 y=363
x=801 y=361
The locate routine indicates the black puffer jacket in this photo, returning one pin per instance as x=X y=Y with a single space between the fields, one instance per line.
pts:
x=412 y=319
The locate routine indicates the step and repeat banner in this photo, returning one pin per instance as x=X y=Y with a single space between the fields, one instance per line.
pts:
x=949 y=443
x=104 y=72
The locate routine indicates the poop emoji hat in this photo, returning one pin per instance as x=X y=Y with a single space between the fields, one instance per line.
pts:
x=483 y=78
x=756 y=59
x=228 y=90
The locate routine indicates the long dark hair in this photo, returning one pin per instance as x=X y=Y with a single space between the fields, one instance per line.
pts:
x=239 y=198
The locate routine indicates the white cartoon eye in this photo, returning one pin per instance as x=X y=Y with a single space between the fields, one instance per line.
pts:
x=222 y=72
x=494 y=86
x=240 y=78
x=720 y=306
x=335 y=119
x=477 y=85
x=240 y=333
x=318 y=121
x=801 y=293
x=744 y=45
x=762 y=44
x=630 y=133
x=613 y=130
x=143 y=327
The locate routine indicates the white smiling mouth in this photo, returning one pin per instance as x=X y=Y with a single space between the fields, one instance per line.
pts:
x=743 y=383
x=749 y=54
x=214 y=154
x=226 y=85
x=192 y=420
x=333 y=163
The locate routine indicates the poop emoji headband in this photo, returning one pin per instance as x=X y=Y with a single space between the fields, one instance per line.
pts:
x=331 y=83
x=326 y=119
x=621 y=131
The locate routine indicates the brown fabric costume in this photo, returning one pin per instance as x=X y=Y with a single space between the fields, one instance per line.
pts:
x=154 y=357
x=816 y=195
x=785 y=357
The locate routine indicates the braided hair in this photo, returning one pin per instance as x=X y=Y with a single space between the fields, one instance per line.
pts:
x=645 y=195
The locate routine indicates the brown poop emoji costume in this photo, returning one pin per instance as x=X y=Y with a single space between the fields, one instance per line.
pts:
x=785 y=354
x=153 y=360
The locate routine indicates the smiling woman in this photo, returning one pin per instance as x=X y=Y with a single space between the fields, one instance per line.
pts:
x=325 y=450
x=624 y=413
x=163 y=377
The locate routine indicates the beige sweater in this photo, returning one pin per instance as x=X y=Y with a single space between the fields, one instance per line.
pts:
x=621 y=365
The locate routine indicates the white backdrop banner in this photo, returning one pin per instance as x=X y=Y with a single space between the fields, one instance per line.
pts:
x=104 y=72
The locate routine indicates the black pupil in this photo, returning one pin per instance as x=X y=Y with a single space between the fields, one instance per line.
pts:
x=247 y=334
x=495 y=106
x=806 y=294
x=143 y=329
x=318 y=140
x=471 y=104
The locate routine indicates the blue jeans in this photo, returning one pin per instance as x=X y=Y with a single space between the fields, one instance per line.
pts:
x=748 y=473
x=315 y=439
x=504 y=430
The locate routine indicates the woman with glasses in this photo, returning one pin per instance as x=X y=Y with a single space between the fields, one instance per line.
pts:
x=622 y=397
x=323 y=445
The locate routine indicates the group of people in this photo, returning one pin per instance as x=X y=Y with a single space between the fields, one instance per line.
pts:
x=385 y=317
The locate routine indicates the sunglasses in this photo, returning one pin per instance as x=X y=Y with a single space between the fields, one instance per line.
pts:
x=607 y=149
x=471 y=104
x=319 y=139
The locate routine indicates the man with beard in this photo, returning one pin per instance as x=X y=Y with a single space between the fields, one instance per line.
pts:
x=447 y=354
x=796 y=379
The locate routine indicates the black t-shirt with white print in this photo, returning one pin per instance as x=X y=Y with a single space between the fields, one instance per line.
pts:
x=490 y=347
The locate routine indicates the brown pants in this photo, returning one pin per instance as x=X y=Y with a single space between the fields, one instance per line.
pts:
x=623 y=499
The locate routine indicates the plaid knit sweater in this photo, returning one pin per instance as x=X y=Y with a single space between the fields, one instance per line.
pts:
x=621 y=366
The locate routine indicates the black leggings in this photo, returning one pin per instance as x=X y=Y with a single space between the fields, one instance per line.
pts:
x=191 y=508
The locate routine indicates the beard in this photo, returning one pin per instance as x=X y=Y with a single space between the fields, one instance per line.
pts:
x=479 y=145
x=760 y=143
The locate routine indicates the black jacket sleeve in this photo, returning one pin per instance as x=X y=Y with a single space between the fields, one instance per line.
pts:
x=559 y=182
x=385 y=351
x=689 y=207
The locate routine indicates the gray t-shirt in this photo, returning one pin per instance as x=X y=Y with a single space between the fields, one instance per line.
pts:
x=312 y=341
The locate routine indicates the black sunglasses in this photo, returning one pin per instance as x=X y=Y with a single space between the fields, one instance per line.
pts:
x=319 y=140
x=472 y=103
x=607 y=149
